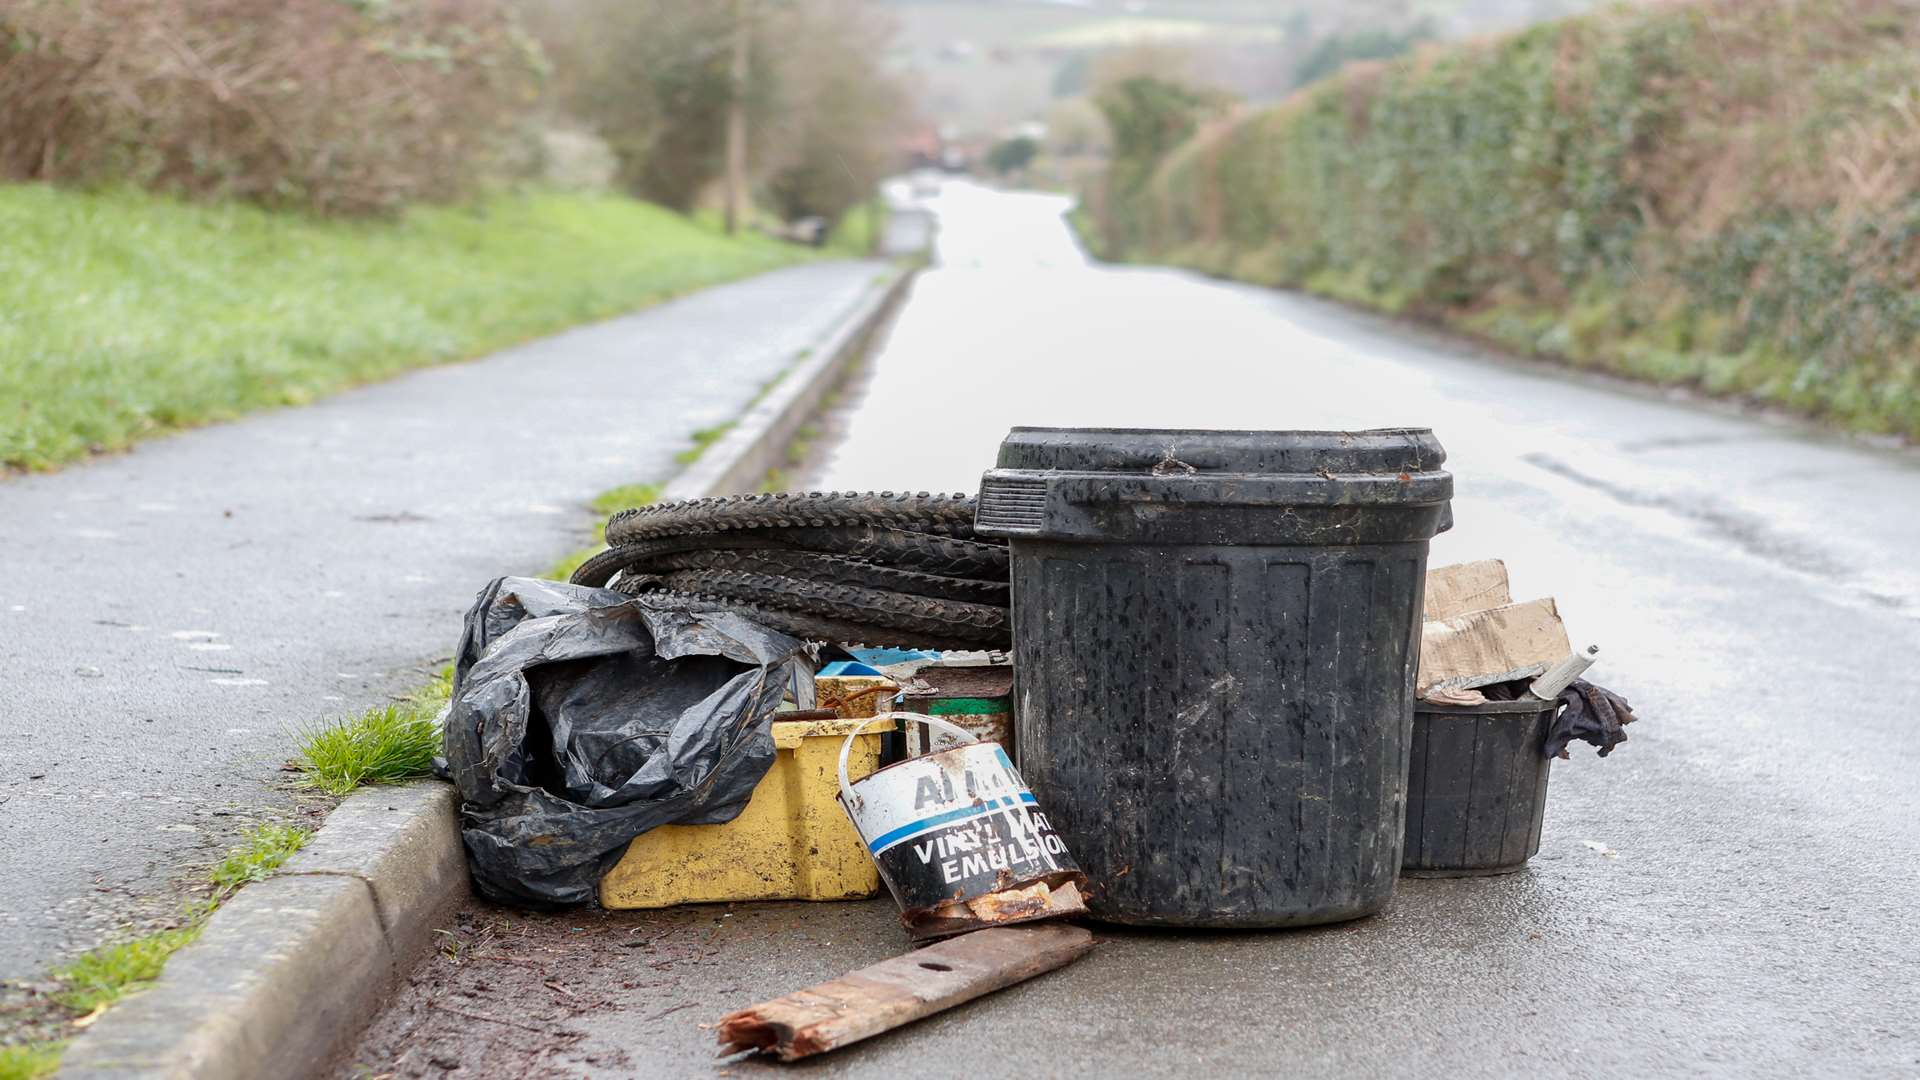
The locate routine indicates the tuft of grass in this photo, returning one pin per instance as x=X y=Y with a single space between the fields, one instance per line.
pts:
x=30 y=1061
x=385 y=745
x=257 y=857
x=111 y=972
x=702 y=439
x=127 y=314
x=626 y=496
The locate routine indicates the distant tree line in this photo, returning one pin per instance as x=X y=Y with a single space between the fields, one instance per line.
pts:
x=361 y=106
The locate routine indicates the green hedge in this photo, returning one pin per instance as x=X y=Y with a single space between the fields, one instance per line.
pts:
x=1722 y=193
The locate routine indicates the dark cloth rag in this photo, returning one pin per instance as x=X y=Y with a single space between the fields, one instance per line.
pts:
x=1591 y=714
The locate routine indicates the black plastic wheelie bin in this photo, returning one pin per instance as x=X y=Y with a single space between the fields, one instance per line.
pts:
x=1215 y=639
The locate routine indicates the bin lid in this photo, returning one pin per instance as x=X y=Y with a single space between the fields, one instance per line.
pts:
x=1175 y=451
x=1217 y=487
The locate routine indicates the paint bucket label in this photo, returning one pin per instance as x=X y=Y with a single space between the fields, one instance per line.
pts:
x=955 y=826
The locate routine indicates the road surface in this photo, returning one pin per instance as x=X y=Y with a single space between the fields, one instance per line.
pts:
x=170 y=616
x=1732 y=893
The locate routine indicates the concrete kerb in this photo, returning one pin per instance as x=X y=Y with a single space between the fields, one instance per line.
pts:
x=756 y=444
x=287 y=972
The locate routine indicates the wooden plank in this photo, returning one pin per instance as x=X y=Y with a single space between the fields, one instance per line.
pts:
x=1464 y=587
x=896 y=992
x=1480 y=648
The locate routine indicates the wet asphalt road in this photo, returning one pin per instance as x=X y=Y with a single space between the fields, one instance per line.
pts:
x=1733 y=893
x=169 y=616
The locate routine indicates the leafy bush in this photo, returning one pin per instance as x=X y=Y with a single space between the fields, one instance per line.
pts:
x=836 y=112
x=1717 y=192
x=653 y=78
x=335 y=106
x=1012 y=155
x=1148 y=116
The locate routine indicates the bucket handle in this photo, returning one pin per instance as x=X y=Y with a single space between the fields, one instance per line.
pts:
x=846 y=785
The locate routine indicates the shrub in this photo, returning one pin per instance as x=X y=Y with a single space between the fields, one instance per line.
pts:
x=1148 y=116
x=653 y=78
x=836 y=113
x=334 y=106
x=1012 y=155
x=1717 y=191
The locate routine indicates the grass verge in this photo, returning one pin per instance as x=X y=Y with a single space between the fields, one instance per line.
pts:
x=130 y=314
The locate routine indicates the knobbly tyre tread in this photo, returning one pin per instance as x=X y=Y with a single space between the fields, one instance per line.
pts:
x=943 y=556
x=870 y=607
x=948 y=515
x=600 y=570
x=831 y=570
x=814 y=627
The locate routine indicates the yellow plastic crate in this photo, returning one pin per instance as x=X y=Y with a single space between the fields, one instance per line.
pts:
x=792 y=842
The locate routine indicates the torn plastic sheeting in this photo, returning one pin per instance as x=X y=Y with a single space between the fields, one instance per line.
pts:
x=582 y=718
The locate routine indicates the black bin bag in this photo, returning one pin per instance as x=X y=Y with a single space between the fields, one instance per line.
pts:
x=581 y=718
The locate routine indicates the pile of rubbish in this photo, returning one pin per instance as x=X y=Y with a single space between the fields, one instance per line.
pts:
x=1477 y=646
x=693 y=717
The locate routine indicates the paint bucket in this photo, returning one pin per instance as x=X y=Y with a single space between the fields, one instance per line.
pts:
x=978 y=698
x=958 y=837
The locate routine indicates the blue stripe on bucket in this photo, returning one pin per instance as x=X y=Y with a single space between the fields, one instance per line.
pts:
x=912 y=828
